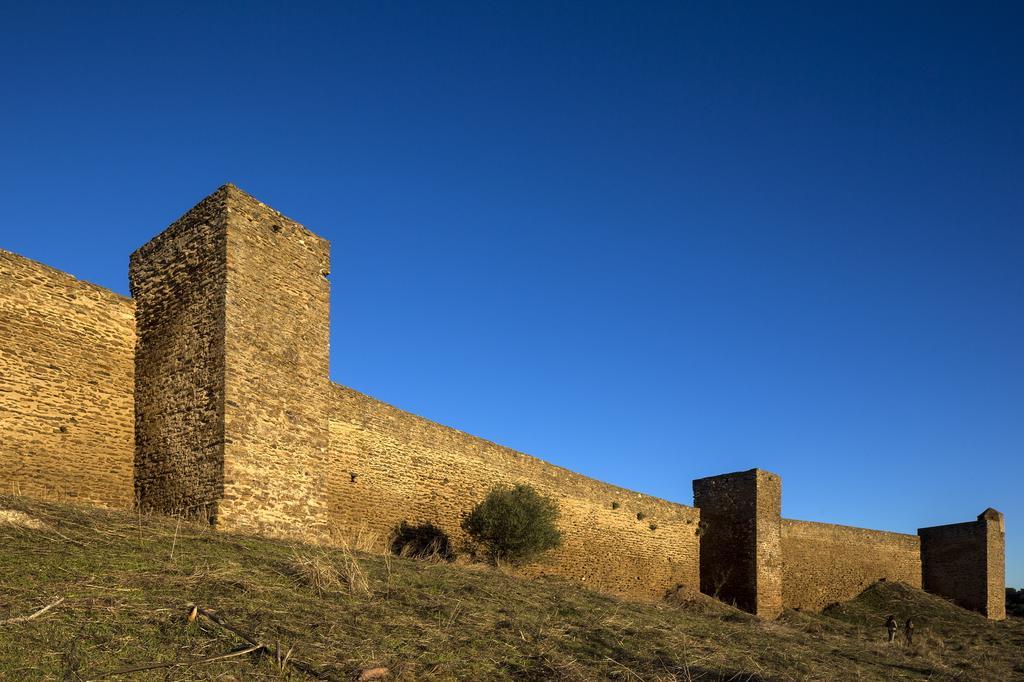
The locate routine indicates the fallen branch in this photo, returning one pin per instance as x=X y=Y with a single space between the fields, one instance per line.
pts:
x=175 y=542
x=195 y=611
x=22 y=619
x=255 y=647
x=67 y=539
x=175 y=664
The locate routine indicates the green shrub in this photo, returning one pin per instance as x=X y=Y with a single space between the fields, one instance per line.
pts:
x=514 y=524
x=423 y=541
x=615 y=505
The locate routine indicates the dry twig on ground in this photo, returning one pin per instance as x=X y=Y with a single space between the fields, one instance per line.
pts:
x=22 y=619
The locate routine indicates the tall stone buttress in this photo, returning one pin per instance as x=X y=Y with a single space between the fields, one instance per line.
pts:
x=741 y=539
x=966 y=562
x=232 y=316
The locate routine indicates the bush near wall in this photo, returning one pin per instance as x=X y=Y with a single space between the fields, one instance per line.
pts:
x=421 y=541
x=514 y=524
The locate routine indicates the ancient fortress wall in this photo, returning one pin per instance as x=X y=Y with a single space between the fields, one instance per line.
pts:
x=387 y=466
x=208 y=396
x=67 y=352
x=239 y=422
x=824 y=563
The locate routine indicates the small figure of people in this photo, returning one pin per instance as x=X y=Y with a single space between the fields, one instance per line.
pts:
x=908 y=630
x=890 y=625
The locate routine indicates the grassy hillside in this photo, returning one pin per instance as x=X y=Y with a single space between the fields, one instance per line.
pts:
x=120 y=587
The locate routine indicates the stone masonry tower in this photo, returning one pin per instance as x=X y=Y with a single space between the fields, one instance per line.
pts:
x=966 y=562
x=232 y=368
x=741 y=539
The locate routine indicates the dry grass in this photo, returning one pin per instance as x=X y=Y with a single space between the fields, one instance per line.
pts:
x=689 y=599
x=360 y=540
x=315 y=570
x=125 y=593
x=353 y=574
x=13 y=517
x=329 y=571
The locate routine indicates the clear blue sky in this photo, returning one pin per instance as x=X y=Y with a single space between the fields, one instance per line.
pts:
x=649 y=242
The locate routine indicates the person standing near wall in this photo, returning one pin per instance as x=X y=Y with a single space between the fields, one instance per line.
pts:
x=908 y=630
x=890 y=625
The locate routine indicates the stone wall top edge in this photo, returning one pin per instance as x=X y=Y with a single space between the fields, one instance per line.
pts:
x=182 y=221
x=749 y=474
x=991 y=515
x=71 y=279
x=793 y=523
x=963 y=525
x=612 y=488
x=237 y=197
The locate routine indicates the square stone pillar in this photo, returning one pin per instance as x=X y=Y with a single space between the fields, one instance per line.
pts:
x=741 y=539
x=232 y=308
x=965 y=562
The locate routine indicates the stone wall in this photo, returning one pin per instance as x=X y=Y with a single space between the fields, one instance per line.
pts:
x=235 y=415
x=740 y=552
x=236 y=421
x=387 y=466
x=66 y=384
x=964 y=562
x=825 y=563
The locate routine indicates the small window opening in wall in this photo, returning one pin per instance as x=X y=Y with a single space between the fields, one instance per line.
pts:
x=325 y=273
x=275 y=228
